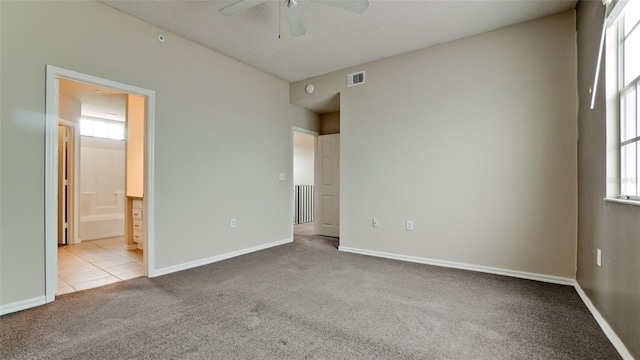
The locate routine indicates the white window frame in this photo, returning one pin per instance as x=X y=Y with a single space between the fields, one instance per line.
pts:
x=611 y=48
x=622 y=89
x=105 y=121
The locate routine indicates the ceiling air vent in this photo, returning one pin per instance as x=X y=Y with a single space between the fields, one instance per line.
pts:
x=355 y=78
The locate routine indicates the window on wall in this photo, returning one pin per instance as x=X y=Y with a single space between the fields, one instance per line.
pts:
x=629 y=92
x=102 y=128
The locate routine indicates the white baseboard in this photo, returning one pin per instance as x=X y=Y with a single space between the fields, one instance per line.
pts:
x=22 y=305
x=604 y=325
x=606 y=328
x=213 y=259
x=463 y=266
x=102 y=236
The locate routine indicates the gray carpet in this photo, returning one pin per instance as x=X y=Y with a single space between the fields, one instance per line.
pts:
x=306 y=300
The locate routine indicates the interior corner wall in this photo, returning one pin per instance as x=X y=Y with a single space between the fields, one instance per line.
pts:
x=474 y=141
x=135 y=146
x=215 y=158
x=69 y=109
x=614 y=288
x=330 y=123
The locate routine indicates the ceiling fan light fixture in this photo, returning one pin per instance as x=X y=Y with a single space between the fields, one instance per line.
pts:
x=293 y=10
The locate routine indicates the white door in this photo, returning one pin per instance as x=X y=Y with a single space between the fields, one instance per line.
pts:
x=328 y=217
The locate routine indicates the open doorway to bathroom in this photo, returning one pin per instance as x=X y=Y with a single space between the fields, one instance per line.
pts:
x=100 y=186
x=138 y=199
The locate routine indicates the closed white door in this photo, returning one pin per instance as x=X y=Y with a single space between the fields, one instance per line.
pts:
x=328 y=218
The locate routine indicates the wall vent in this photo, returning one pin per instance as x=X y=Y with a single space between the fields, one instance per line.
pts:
x=355 y=78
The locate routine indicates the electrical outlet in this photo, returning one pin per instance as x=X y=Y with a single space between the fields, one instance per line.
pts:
x=599 y=257
x=409 y=225
x=376 y=222
x=233 y=223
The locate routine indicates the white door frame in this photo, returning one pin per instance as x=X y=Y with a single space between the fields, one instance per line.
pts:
x=51 y=169
x=315 y=134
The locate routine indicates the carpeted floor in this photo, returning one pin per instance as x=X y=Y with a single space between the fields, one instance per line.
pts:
x=306 y=300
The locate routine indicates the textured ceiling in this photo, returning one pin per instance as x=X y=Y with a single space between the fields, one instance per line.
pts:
x=335 y=38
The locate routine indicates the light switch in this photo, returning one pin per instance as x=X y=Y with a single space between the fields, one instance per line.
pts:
x=281 y=176
x=376 y=222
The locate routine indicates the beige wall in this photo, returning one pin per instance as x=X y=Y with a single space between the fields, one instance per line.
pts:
x=135 y=146
x=330 y=123
x=304 y=153
x=69 y=109
x=473 y=140
x=215 y=157
x=3 y=267
x=614 y=288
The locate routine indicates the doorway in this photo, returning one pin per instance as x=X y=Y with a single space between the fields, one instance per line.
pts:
x=98 y=255
x=325 y=169
x=304 y=190
x=85 y=138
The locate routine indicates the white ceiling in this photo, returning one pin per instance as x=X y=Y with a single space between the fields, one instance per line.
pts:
x=96 y=101
x=335 y=38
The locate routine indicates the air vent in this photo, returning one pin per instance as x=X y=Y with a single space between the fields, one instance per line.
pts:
x=355 y=78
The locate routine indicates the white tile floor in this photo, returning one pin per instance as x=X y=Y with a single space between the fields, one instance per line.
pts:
x=96 y=263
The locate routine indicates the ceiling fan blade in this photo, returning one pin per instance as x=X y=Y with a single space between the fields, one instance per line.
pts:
x=239 y=6
x=295 y=19
x=356 y=6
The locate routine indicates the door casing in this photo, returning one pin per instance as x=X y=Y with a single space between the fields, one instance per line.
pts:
x=295 y=129
x=51 y=169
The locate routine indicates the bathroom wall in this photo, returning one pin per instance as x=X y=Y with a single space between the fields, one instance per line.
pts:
x=102 y=166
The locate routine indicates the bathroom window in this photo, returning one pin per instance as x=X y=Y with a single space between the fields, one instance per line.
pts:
x=102 y=128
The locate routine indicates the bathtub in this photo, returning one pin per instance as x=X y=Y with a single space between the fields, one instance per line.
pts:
x=101 y=226
x=101 y=221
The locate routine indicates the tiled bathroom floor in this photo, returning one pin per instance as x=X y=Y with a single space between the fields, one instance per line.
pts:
x=96 y=263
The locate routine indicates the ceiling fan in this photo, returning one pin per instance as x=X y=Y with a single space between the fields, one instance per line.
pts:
x=293 y=10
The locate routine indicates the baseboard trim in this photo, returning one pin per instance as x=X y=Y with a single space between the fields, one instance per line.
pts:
x=463 y=266
x=604 y=325
x=22 y=305
x=102 y=236
x=213 y=259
